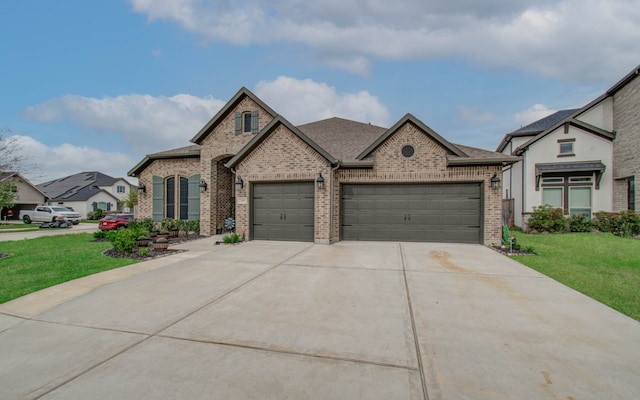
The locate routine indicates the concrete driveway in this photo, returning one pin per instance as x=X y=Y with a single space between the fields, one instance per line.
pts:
x=274 y=320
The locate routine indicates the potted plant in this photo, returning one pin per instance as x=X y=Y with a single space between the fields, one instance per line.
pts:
x=161 y=244
x=163 y=234
x=142 y=241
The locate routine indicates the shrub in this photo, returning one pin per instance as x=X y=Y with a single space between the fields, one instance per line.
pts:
x=144 y=251
x=547 y=219
x=99 y=234
x=193 y=226
x=579 y=223
x=626 y=223
x=232 y=238
x=95 y=215
x=124 y=239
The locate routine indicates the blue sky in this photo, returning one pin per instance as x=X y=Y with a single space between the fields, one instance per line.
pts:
x=96 y=85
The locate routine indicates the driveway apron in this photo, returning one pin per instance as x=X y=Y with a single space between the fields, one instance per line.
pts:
x=272 y=320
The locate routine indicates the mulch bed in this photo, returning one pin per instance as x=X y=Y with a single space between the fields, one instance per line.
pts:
x=515 y=252
x=135 y=254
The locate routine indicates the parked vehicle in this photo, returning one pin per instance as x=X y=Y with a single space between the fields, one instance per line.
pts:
x=49 y=214
x=115 y=221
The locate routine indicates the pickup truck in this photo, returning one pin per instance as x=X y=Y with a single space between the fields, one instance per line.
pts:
x=49 y=214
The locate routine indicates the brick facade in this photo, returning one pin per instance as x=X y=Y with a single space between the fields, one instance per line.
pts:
x=184 y=167
x=221 y=144
x=626 y=146
x=427 y=165
x=284 y=157
x=281 y=154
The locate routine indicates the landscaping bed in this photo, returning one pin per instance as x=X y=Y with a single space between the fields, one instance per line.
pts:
x=136 y=254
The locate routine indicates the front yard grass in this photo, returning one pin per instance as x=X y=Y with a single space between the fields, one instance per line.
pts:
x=36 y=264
x=21 y=227
x=602 y=266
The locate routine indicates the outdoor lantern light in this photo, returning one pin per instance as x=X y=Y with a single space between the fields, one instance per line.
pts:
x=239 y=183
x=203 y=186
x=495 y=181
x=320 y=181
x=141 y=189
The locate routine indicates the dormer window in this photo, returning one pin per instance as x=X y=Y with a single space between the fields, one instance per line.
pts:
x=246 y=122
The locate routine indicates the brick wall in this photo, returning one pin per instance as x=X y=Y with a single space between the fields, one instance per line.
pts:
x=164 y=168
x=626 y=146
x=221 y=144
x=284 y=157
x=427 y=165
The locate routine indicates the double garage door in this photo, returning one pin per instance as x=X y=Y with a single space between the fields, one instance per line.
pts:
x=416 y=212
x=412 y=212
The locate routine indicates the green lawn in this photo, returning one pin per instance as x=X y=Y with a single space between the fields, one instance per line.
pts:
x=602 y=266
x=39 y=263
x=22 y=227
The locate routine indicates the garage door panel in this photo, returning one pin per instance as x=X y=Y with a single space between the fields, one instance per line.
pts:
x=283 y=211
x=422 y=212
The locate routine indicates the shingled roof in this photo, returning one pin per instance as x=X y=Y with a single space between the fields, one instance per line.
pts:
x=192 y=151
x=538 y=126
x=342 y=138
x=78 y=187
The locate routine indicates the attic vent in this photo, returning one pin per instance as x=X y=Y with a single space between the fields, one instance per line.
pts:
x=408 y=151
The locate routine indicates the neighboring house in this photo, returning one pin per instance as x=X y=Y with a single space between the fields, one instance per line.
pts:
x=88 y=191
x=324 y=181
x=583 y=160
x=626 y=147
x=29 y=196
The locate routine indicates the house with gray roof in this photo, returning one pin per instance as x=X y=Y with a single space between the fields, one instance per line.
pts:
x=581 y=160
x=324 y=181
x=88 y=191
x=28 y=195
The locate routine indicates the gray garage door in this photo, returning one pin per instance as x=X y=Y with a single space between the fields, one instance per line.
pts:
x=283 y=211
x=417 y=213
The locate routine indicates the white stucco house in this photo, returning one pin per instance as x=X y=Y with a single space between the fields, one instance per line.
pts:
x=88 y=191
x=582 y=160
x=567 y=162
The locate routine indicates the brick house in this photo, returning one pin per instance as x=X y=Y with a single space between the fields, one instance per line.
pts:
x=325 y=181
x=582 y=160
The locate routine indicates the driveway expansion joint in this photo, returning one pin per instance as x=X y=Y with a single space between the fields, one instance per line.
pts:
x=425 y=392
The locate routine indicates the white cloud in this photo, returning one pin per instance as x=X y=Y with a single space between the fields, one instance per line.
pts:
x=286 y=95
x=147 y=123
x=474 y=115
x=532 y=114
x=570 y=39
x=52 y=162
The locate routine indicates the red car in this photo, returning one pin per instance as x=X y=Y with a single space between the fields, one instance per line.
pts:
x=115 y=221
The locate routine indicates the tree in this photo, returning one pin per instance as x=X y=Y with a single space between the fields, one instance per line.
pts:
x=11 y=160
x=131 y=200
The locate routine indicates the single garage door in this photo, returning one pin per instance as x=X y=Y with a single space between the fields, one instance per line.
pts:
x=417 y=213
x=283 y=211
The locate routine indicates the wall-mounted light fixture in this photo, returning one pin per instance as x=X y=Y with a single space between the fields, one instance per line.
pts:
x=141 y=189
x=495 y=181
x=203 y=186
x=239 y=183
x=320 y=181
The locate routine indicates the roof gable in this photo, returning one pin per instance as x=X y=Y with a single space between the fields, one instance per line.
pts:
x=5 y=176
x=408 y=118
x=270 y=128
x=594 y=130
x=224 y=112
x=192 y=151
x=538 y=126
